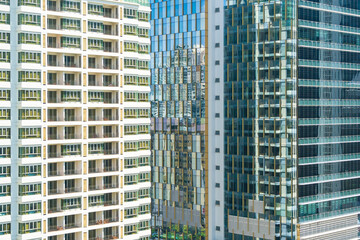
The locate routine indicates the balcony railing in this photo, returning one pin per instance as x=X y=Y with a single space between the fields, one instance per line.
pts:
x=58 y=64
x=65 y=190
x=104 y=169
x=60 y=46
x=105 y=118
x=104 y=66
x=63 y=82
x=55 y=118
x=103 y=221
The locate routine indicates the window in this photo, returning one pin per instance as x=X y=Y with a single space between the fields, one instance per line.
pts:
x=4 y=76
x=96 y=27
x=217 y=27
x=5 y=190
x=217 y=97
x=131 y=212
x=4 y=37
x=5 y=152
x=144 y=177
x=143 y=32
x=29 y=114
x=26 y=133
x=70 y=149
x=29 y=57
x=4 y=114
x=217 y=132
x=70 y=203
x=131 y=196
x=143 y=64
x=217 y=62
x=70 y=24
x=70 y=6
x=144 y=209
x=4 y=95
x=31 y=3
x=70 y=96
x=29 y=76
x=143 y=48
x=96 y=96
x=217 y=80
x=144 y=161
x=5 y=133
x=95 y=44
x=217 y=45
x=29 y=95
x=143 y=16
x=143 y=81
x=217 y=10
x=130 y=163
x=4 y=18
x=30 y=208
x=4 y=57
x=144 y=193
x=130 y=13
x=217 y=167
x=5 y=209
x=29 y=151
x=130 y=63
x=29 y=189
x=130 y=46
x=217 y=185
x=143 y=225
x=70 y=42
x=217 y=228
x=5 y=171
x=130 y=80
x=96 y=148
x=5 y=228
x=96 y=200
x=130 y=229
x=130 y=30
x=4 y=2
x=29 y=170
x=217 y=150
x=29 y=227
x=29 y=38
x=95 y=9
x=28 y=19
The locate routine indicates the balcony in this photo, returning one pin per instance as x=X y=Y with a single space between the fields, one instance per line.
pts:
x=55 y=118
x=102 y=221
x=55 y=173
x=104 y=66
x=63 y=137
x=54 y=191
x=104 y=169
x=59 y=64
x=53 y=228
x=103 y=186
x=104 y=118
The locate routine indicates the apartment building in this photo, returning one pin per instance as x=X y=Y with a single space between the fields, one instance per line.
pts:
x=74 y=119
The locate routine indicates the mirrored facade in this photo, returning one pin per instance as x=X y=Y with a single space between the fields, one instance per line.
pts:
x=178 y=118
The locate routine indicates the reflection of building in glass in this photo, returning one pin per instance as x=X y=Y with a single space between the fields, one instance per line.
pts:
x=178 y=118
x=292 y=119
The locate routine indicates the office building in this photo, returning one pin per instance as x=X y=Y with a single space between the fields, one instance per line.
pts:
x=74 y=119
x=292 y=119
x=187 y=118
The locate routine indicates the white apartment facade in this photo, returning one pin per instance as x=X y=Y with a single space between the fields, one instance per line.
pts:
x=74 y=119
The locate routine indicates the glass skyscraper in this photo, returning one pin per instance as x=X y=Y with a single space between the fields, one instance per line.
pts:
x=178 y=118
x=292 y=146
